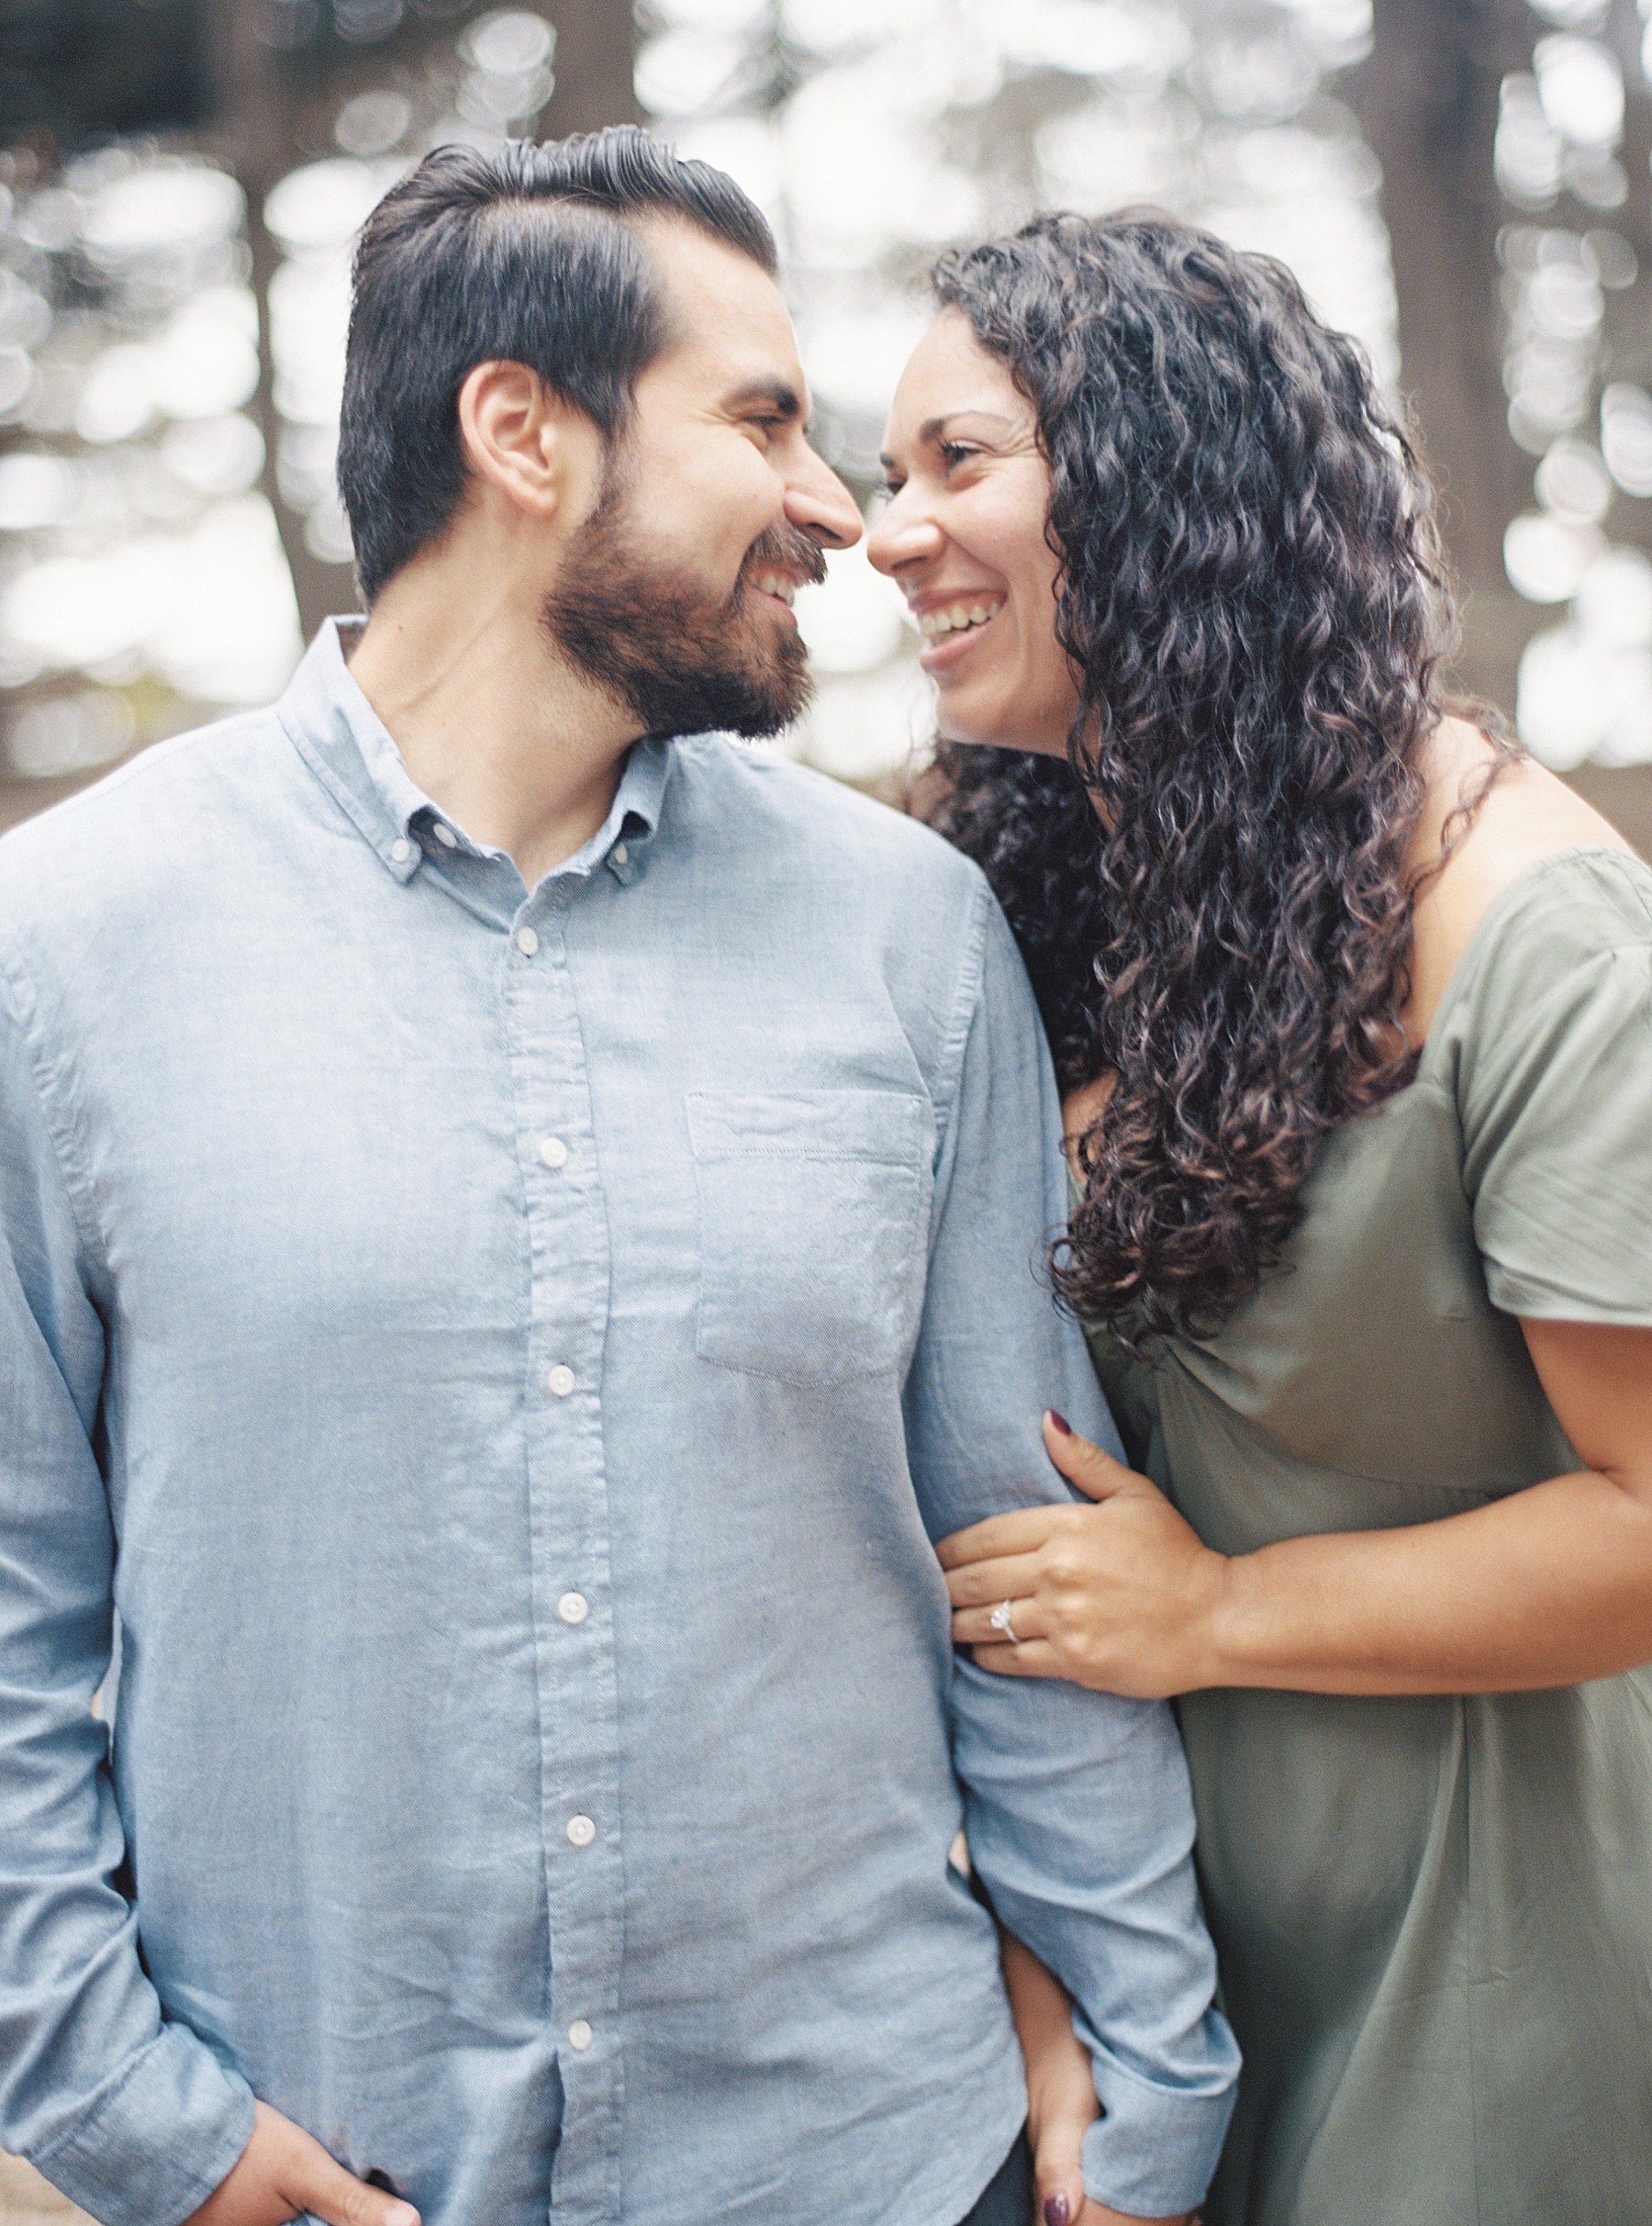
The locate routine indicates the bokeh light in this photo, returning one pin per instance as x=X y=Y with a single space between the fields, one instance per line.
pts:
x=137 y=551
x=1585 y=685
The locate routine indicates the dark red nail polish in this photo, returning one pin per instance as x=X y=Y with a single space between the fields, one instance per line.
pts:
x=1057 y=2209
x=1065 y=1429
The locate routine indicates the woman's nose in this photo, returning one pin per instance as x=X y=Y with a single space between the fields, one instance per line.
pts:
x=902 y=536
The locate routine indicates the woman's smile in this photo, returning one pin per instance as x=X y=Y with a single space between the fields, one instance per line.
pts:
x=952 y=626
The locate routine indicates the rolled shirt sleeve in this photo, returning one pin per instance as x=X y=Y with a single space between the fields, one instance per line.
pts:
x=1077 y=1808
x=130 y=2116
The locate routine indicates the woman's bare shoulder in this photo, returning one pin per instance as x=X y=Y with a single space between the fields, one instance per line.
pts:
x=1526 y=815
x=1080 y=1110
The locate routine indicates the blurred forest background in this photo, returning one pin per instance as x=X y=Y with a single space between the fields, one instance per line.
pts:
x=1464 y=184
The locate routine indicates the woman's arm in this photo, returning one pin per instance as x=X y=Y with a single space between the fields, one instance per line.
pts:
x=1061 y=2093
x=1550 y=1586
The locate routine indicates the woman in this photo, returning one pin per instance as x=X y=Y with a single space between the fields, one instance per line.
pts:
x=1354 y=1004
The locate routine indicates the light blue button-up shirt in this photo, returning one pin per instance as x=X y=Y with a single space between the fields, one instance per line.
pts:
x=506 y=1355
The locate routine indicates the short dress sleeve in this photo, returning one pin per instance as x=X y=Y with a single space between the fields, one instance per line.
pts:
x=1553 y=1075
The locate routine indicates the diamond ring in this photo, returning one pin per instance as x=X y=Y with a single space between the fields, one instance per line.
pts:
x=999 y=1620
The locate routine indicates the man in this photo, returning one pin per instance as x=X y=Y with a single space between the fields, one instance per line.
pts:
x=518 y=1233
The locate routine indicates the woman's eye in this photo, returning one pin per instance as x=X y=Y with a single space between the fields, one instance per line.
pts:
x=890 y=489
x=953 y=453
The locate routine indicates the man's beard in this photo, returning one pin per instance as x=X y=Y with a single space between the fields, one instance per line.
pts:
x=684 y=661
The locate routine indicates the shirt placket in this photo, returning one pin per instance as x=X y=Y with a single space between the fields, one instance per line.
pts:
x=567 y=1486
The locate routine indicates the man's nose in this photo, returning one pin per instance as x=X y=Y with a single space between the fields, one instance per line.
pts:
x=817 y=499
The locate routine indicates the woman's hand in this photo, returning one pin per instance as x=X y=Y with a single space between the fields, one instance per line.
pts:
x=1061 y=2090
x=1549 y=1585
x=283 y=2174
x=1061 y=2095
x=1121 y=1596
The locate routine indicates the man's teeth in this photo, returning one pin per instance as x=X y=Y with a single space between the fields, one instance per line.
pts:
x=955 y=618
x=775 y=583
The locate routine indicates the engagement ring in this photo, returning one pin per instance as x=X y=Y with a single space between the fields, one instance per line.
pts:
x=999 y=1620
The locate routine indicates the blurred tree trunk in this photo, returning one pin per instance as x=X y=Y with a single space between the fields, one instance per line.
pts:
x=1427 y=102
x=253 y=131
x=595 y=49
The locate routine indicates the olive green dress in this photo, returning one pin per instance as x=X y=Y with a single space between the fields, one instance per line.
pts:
x=1435 y=1915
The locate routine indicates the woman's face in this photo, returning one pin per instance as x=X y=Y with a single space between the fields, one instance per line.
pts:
x=964 y=538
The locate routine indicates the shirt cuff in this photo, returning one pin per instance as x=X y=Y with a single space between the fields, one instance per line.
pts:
x=152 y=2144
x=1154 y=2153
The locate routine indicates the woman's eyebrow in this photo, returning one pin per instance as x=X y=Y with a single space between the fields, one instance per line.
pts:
x=933 y=429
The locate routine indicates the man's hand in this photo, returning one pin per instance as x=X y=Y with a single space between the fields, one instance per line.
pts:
x=283 y=2173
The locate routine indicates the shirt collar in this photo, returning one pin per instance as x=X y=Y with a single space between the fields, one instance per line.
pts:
x=347 y=746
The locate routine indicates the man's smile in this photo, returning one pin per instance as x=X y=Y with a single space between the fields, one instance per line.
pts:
x=774 y=585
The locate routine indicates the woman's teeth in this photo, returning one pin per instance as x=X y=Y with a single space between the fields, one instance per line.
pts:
x=955 y=618
x=775 y=583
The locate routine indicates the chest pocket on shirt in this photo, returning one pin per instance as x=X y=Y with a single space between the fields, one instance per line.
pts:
x=813 y=1225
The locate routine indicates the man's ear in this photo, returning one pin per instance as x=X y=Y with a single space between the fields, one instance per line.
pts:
x=528 y=442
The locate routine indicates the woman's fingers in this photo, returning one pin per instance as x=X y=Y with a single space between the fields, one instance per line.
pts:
x=1097 y=1474
x=1002 y=1536
x=985 y=1583
x=1061 y=2088
x=1033 y=1658
x=1024 y=1531
x=1056 y=2162
x=975 y=1626
x=1121 y=1595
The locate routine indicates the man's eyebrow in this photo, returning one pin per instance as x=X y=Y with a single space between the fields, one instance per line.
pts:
x=783 y=399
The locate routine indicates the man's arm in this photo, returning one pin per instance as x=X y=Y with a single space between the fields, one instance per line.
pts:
x=131 y=2116
x=1077 y=1808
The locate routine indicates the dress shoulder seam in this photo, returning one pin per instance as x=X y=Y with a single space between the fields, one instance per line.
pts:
x=1511 y=909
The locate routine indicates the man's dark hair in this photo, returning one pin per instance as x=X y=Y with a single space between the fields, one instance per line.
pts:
x=528 y=254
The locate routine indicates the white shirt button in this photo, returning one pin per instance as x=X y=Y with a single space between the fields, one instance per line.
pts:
x=445 y=836
x=553 y=1152
x=560 y=1382
x=573 y=1608
x=579 y=2034
x=621 y=856
x=401 y=850
x=581 y=1830
x=526 y=942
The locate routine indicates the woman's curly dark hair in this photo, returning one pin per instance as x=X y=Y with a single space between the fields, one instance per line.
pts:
x=1253 y=598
